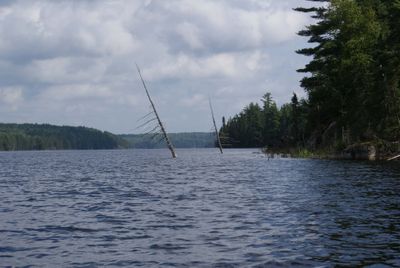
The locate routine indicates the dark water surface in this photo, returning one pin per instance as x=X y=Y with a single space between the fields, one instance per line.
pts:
x=141 y=208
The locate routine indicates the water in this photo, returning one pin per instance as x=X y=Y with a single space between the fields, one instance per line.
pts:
x=141 y=208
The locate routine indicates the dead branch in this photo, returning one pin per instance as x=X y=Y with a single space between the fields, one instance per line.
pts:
x=144 y=117
x=147 y=122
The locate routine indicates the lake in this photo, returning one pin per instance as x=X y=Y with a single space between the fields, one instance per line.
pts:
x=141 y=208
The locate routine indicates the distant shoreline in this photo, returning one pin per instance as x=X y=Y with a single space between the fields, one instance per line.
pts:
x=39 y=137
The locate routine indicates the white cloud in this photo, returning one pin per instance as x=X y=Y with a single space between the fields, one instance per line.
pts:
x=197 y=100
x=11 y=96
x=76 y=92
x=185 y=66
x=74 y=61
x=66 y=70
x=220 y=26
x=190 y=34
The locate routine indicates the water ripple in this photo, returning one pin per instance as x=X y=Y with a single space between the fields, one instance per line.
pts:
x=142 y=209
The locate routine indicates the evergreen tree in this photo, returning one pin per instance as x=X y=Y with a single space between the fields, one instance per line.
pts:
x=353 y=83
x=271 y=121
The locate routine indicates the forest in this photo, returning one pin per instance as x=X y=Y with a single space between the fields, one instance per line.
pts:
x=15 y=137
x=267 y=125
x=49 y=137
x=351 y=83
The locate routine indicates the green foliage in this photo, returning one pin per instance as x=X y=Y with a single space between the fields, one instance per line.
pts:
x=352 y=83
x=271 y=121
x=303 y=153
x=354 y=74
x=49 y=137
x=268 y=126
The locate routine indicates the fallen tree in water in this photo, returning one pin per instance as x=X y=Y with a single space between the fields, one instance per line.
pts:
x=160 y=127
x=394 y=158
x=215 y=127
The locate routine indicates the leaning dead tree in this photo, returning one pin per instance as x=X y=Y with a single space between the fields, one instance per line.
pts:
x=394 y=158
x=159 y=129
x=215 y=126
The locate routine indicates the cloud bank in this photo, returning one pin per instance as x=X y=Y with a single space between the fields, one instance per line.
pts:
x=73 y=62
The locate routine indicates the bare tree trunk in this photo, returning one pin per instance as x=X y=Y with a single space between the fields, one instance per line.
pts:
x=167 y=140
x=393 y=158
x=215 y=127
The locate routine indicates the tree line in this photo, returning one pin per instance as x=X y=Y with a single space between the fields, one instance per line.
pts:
x=49 y=137
x=267 y=125
x=15 y=137
x=351 y=81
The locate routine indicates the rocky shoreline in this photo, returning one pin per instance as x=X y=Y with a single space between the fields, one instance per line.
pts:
x=371 y=151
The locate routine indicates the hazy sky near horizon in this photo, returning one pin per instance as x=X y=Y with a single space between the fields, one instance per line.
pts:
x=73 y=62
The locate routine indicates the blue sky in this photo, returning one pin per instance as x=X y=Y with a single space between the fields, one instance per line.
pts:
x=73 y=62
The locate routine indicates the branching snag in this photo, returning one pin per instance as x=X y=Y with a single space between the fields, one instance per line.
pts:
x=215 y=126
x=160 y=124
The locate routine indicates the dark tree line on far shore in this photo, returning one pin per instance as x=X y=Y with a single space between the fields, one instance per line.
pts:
x=48 y=137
